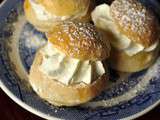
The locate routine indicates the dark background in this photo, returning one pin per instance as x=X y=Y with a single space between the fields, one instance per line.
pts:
x=11 y=111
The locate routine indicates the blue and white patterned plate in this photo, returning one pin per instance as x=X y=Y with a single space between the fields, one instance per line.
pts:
x=126 y=96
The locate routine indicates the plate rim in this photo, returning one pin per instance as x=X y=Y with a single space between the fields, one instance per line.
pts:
x=45 y=116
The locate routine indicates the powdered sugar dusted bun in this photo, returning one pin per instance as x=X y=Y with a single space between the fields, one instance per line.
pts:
x=59 y=94
x=79 y=40
x=135 y=21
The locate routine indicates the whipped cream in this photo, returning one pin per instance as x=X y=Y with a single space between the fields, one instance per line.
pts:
x=40 y=11
x=69 y=70
x=44 y=15
x=102 y=19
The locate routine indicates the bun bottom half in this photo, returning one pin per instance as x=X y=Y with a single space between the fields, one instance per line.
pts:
x=120 y=61
x=59 y=94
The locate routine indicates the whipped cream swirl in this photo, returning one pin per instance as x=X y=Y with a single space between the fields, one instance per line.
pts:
x=43 y=15
x=66 y=70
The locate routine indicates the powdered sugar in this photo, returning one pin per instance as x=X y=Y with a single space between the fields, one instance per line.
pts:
x=132 y=15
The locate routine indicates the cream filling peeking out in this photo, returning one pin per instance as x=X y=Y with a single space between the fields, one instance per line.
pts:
x=44 y=15
x=69 y=70
x=102 y=19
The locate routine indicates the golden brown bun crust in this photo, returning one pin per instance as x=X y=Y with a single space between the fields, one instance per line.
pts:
x=122 y=62
x=87 y=17
x=46 y=26
x=135 y=21
x=61 y=95
x=79 y=40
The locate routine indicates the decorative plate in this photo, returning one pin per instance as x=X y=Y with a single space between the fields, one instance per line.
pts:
x=126 y=96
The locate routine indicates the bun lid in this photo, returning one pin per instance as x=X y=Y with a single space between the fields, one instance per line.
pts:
x=135 y=21
x=79 y=40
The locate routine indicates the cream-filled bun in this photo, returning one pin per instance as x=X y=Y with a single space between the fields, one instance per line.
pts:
x=68 y=70
x=133 y=31
x=44 y=14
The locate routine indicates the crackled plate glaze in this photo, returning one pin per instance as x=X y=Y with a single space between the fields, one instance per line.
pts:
x=126 y=96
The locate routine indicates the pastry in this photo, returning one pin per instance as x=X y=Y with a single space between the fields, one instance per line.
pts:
x=133 y=31
x=68 y=70
x=44 y=14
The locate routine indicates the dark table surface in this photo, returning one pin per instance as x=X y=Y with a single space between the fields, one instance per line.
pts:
x=9 y=110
